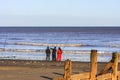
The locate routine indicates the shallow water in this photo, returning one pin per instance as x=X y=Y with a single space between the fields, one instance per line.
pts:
x=41 y=56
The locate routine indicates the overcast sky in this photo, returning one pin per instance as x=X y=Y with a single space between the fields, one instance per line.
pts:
x=59 y=12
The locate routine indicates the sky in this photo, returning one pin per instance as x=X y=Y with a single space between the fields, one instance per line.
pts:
x=59 y=12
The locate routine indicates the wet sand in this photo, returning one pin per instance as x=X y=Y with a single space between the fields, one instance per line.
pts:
x=39 y=70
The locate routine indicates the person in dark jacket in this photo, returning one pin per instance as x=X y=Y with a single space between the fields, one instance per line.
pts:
x=53 y=54
x=47 y=54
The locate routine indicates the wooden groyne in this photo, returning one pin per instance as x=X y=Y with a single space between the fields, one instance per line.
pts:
x=109 y=72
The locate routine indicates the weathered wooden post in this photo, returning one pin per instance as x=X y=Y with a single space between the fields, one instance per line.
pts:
x=115 y=65
x=93 y=58
x=118 y=75
x=68 y=69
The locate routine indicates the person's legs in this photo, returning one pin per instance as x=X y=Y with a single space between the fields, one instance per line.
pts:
x=54 y=57
x=49 y=57
x=46 y=56
x=60 y=57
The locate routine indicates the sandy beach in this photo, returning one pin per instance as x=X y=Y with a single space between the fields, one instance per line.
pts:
x=39 y=70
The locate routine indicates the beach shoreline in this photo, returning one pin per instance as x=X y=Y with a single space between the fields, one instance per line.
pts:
x=40 y=69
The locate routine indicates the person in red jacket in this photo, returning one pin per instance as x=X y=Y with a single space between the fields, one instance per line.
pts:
x=59 y=54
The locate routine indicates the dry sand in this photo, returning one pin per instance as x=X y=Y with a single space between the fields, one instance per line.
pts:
x=39 y=70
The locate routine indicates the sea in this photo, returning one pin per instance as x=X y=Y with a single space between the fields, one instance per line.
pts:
x=29 y=43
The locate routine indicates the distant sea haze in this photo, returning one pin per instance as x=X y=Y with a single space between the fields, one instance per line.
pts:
x=61 y=29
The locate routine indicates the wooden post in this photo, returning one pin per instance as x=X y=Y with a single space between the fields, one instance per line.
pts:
x=115 y=65
x=68 y=69
x=93 y=57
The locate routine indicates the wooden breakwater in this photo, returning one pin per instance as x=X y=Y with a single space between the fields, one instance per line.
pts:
x=109 y=72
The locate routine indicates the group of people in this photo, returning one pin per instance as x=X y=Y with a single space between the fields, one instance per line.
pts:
x=54 y=52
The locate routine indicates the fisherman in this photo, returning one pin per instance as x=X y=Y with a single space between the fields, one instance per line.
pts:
x=59 y=54
x=53 y=54
x=47 y=54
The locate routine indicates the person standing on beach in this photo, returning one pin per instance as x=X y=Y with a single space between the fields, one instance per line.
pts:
x=59 y=54
x=53 y=54
x=47 y=54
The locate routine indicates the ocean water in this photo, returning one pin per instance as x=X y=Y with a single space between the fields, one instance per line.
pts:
x=104 y=39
